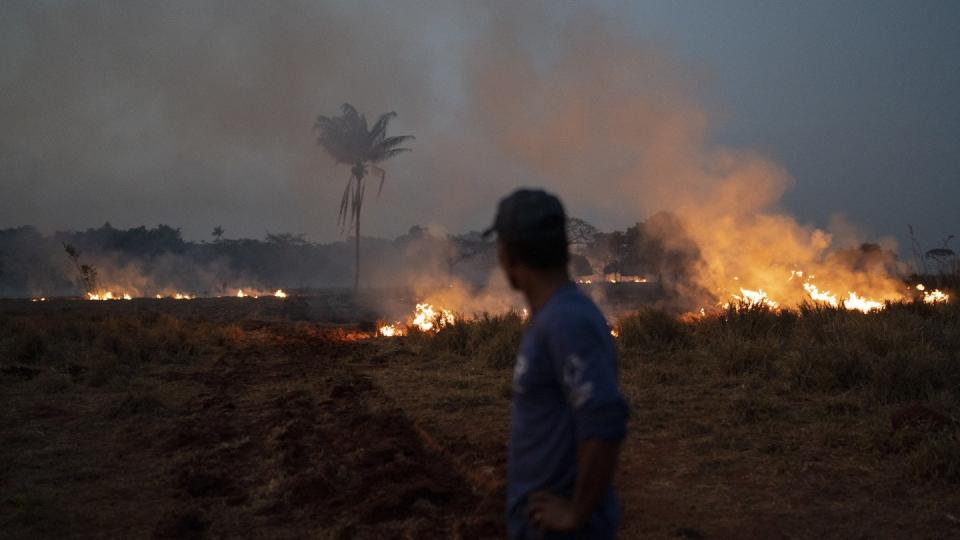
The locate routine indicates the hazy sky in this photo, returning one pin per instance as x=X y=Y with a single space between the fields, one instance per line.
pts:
x=200 y=113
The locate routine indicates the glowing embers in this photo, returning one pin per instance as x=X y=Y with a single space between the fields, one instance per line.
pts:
x=279 y=293
x=176 y=296
x=613 y=278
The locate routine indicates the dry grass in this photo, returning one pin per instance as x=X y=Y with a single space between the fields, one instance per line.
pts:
x=819 y=366
x=74 y=385
x=139 y=424
x=493 y=339
x=729 y=410
x=752 y=423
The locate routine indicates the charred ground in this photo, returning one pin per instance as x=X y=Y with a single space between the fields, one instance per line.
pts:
x=223 y=417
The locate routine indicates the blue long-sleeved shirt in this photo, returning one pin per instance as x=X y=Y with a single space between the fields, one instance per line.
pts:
x=565 y=390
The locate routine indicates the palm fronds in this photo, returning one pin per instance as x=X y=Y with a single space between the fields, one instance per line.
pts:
x=351 y=141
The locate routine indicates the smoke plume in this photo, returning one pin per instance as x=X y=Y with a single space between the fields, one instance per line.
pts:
x=198 y=114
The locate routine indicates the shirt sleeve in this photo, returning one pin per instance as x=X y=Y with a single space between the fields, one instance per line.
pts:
x=584 y=360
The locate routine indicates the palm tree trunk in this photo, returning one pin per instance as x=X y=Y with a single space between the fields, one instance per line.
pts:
x=358 y=198
x=356 y=252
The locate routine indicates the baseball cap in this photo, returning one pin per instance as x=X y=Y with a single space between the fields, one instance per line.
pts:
x=528 y=215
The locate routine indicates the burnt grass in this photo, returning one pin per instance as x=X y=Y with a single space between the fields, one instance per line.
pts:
x=142 y=424
x=227 y=419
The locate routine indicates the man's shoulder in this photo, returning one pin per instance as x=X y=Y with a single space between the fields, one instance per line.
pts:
x=572 y=310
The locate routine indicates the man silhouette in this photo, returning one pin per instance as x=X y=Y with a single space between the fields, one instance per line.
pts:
x=568 y=418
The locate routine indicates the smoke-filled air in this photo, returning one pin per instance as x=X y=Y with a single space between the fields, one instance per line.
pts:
x=199 y=115
x=479 y=269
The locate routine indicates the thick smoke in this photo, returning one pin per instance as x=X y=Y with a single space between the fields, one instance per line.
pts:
x=612 y=124
x=198 y=114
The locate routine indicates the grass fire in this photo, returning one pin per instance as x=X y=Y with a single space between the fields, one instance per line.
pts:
x=479 y=270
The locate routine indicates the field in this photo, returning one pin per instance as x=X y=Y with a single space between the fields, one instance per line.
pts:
x=285 y=418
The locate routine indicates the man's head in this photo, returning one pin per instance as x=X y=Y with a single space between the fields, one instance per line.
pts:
x=531 y=229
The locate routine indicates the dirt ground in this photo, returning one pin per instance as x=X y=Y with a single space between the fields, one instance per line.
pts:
x=273 y=435
x=688 y=470
x=282 y=429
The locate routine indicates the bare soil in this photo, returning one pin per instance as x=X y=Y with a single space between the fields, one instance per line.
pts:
x=256 y=426
x=273 y=435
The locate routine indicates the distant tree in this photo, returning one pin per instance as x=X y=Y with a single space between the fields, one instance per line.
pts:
x=612 y=249
x=144 y=241
x=919 y=261
x=416 y=232
x=939 y=254
x=868 y=258
x=468 y=246
x=349 y=140
x=217 y=233
x=945 y=257
x=580 y=234
x=659 y=249
x=287 y=239
x=580 y=266
x=87 y=273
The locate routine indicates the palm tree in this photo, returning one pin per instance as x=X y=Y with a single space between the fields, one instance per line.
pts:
x=349 y=140
x=217 y=233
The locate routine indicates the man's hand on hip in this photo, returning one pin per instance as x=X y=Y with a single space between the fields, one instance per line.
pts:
x=550 y=512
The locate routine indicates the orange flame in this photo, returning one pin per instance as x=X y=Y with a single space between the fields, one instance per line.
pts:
x=935 y=297
x=426 y=318
x=390 y=330
x=861 y=304
x=853 y=301
x=755 y=298
x=107 y=295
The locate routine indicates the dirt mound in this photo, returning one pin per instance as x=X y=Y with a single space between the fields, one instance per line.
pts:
x=327 y=455
x=266 y=431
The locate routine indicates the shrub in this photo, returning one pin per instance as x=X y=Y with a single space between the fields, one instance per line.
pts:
x=737 y=356
x=938 y=457
x=751 y=320
x=749 y=408
x=500 y=351
x=494 y=340
x=452 y=338
x=651 y=329
x=912 y=374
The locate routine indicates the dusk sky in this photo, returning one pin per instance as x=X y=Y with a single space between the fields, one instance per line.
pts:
x=197 y=114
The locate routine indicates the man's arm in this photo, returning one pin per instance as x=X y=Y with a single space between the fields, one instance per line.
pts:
x=585 y=363
x=596 y=464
